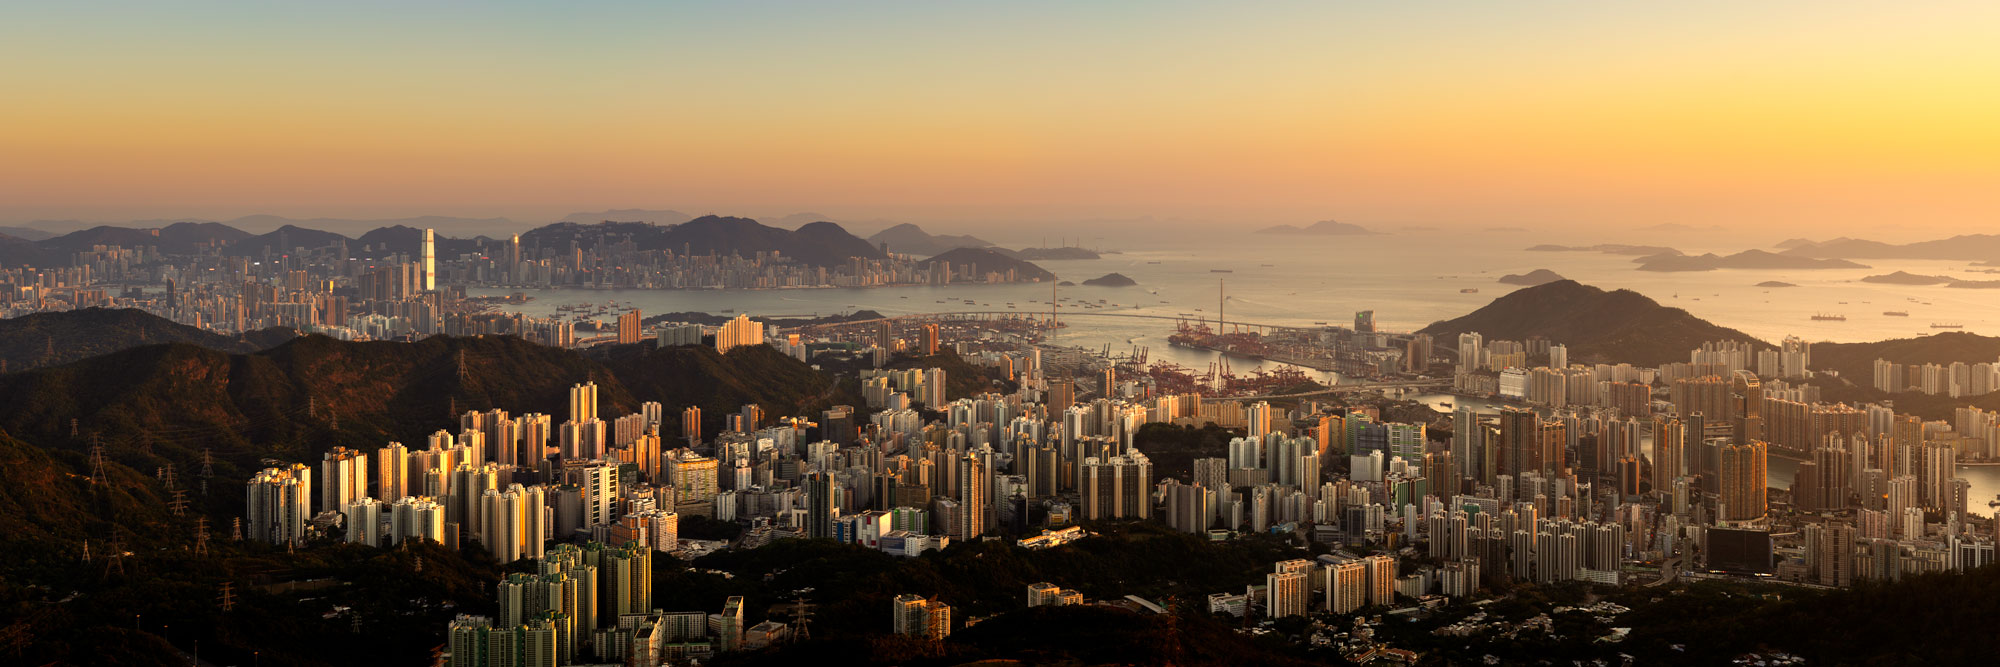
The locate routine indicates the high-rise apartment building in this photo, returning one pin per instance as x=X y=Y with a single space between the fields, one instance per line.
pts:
x=1743 y=482
x=277 y=505
x=583 y=402
x=739 y=332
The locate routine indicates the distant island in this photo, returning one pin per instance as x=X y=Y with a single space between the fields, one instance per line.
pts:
x=1775 y=283
x=913 y=240
x=1983 y=247
x=1608 y=248
x=1678 y=227
x=1111 y=280
x=988 y=261
x=1531 y=278
x=1321 y=228
x=1066 y=252
x=1906 y=278
x=1748 y=259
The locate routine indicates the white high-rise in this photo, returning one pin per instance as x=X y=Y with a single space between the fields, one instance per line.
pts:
x=278 y=504
x=343 y=478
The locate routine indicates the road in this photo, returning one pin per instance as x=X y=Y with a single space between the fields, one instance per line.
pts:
x=1669 y=571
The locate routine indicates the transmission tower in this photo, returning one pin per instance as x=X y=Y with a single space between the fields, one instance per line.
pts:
x=72 y=428
x=236 y=529
x=86 y=551
x=801 y=617
x=228 y=596
x=96 y=461
x=207 y=470
x=179 y=503
x=201 y=536
x=167 y=476
x=116 y=560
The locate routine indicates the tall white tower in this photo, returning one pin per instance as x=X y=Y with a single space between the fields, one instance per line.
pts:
x=430 y=260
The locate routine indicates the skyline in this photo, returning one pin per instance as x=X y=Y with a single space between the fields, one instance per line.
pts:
x=1847 y=120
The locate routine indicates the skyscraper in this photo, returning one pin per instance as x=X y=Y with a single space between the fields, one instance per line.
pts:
x=392 y=472
x=430 y=260
x=1346 y=586
x=583 y=402
x=343 y=478
x=975 y=483
x=918 y=617
x=1743 y=484
x=1285 y=593
x=277 y=504
x=820 y=508
x=628 y=327
x=738 y=332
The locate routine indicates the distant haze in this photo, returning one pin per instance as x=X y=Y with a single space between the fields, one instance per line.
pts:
x=1862 y=119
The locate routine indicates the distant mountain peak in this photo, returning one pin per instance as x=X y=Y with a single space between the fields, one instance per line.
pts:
x=1321 y=228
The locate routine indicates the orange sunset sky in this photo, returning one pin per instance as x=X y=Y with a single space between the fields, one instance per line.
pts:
x=1847 y=117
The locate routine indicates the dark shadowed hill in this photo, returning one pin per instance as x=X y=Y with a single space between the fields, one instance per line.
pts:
x=17 y=251
x=177 y=238
x=409 y=241
x=961 y=378
x=284 y=240
x=1598 y=326
x=985 y=260
x=47 y=339
x=658 y=217
x=48 y=505
x=817 y=244
x=1856 y=361
x=294 y=401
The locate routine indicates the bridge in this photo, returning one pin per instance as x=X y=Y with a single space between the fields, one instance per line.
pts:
x=1043 y=315
x=1352 y=388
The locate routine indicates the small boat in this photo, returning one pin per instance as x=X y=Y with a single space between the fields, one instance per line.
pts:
x=1220 y=271
x=1935 y=325
x=1895 y=313
x=1823 y=317
x=1469 y=290
x=1152 y=262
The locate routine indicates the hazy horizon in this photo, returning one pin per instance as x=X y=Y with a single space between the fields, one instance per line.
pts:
x=1848 y=119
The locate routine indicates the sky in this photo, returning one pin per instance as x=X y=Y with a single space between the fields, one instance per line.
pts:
x=1864 y=118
